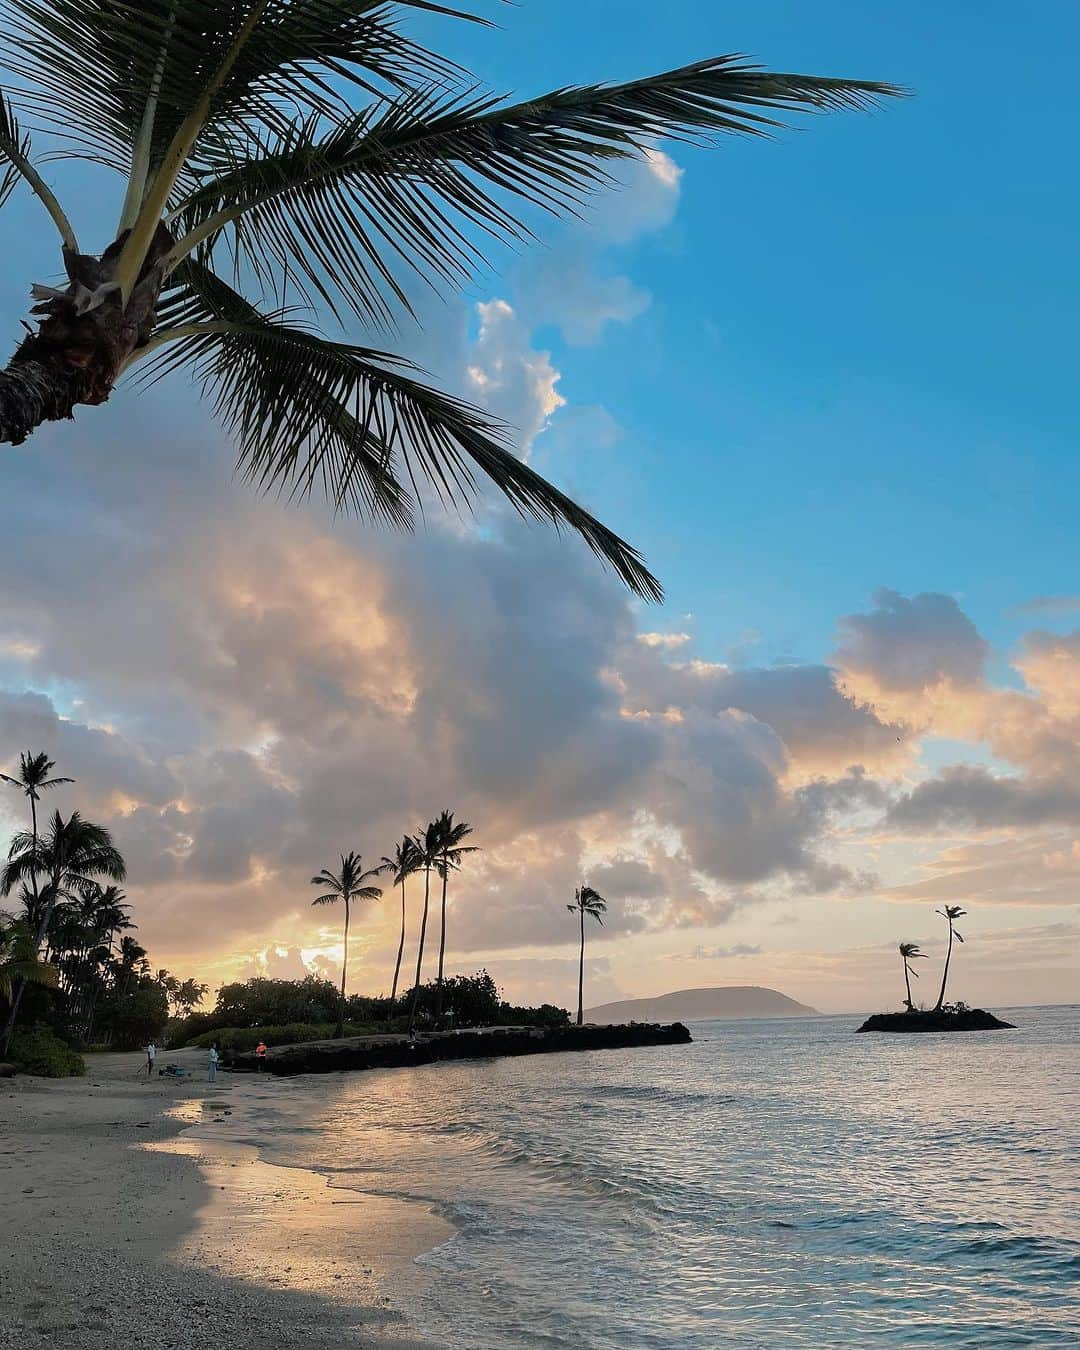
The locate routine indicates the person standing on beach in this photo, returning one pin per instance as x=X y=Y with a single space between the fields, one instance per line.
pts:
x=151 y=1055
x=211 y=1072
x=260 y=1055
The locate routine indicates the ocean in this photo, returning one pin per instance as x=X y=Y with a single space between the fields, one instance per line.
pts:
x=777 y=1183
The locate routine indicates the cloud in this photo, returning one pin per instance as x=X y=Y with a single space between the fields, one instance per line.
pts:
x=909 y=645
x=717 y=953
x=1049 y=605
x=967 y=797
x=572 y=285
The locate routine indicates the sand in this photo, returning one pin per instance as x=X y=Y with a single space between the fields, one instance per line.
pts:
x=129 y=1218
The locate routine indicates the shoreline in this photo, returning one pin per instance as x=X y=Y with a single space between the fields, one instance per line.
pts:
x=130 y=1224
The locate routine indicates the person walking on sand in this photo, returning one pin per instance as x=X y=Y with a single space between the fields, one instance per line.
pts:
x=151 y=1056
x=211 y=1071
x=260 y=1055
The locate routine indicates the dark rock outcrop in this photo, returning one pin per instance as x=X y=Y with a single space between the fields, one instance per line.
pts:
x=395 y=1052
x=970 y=1019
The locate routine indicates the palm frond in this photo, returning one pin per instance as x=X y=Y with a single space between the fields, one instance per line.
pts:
x=330 y=899
x=408 y=174
x=306 y=410
x=93 y=64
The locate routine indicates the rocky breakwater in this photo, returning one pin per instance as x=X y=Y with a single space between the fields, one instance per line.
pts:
x=396 y=1052
x=969 y=1019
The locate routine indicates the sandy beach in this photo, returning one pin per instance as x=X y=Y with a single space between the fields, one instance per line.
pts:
x=133 y=1218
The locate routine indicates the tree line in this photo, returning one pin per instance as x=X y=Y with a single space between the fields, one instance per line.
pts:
x=67 y=956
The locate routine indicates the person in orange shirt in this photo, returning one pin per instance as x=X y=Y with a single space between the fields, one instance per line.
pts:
x=260 y=1055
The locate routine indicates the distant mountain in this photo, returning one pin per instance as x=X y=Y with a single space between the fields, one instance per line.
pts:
x=699 y=1005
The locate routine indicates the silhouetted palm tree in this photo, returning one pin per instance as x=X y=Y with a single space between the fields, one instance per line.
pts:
x=401 y=866
x=312 y=151
x=19 y=963
x=70 y=856
x=32 y=780
x=348 y=885
x=950 y=913
x=427 y=842
x=586 y=901
x=910 y=951
x=451 y=853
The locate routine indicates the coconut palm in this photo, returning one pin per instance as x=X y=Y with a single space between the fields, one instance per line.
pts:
x=428 y=843
x=19 y=963
x=401 y=866
x=32 y=780
x=910 y=952
x=313 y=153
x=950 y=914
x=70 y=856
x=586 y=901
x=451 y=853
x=347 y=885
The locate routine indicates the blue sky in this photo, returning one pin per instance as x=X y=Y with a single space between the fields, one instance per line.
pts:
x=793 y=372
x=856 y=364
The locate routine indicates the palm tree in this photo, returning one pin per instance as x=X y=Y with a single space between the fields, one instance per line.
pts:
x=401 y=866
x=428 y=843
x=19 y=961
x=71 y=856
x=451 y=853
x=347 y=885
x=32 y=780
x=950 y=913
x=312 y=151
x=910 y=951
x=586 y=901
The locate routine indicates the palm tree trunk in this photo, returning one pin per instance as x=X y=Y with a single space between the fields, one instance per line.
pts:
x=442 y=952
x=581 y=973
x=400 y=950
x=907 y=982
x=945 y=972
x=340 y=1030
x=32 y=392
x=420 y=952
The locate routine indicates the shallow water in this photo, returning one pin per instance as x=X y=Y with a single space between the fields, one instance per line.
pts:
x=773 y=1184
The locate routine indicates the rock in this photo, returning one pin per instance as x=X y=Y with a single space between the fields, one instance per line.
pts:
x=397 y=1051
x=970 y=1019
x=8 y=1070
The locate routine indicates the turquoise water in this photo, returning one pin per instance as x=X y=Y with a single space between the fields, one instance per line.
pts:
x=773 y=1184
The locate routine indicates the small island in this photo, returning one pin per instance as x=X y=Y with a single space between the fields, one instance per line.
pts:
x=942 y=1016
x=957 y=1018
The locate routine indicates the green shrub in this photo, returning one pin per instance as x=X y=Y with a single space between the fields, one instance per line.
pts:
x=44 y=1054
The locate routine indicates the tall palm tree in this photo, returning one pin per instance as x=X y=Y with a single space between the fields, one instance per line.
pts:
x=32 y=780
x=586 y=901
x=70 y=856
x=347 y=885
x=451 y=853
x=401 y=866
x=19 y=962
x=428 y=843
x=950 y=914
x=312 y=151
x=910 y=951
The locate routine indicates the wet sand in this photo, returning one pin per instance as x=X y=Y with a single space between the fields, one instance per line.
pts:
x=126 y=1223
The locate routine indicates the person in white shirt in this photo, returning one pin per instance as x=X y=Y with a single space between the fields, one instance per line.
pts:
x=211 y=1072
x=151 y=1055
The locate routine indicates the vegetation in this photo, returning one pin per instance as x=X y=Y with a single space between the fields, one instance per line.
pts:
x=401 y=866
x=69 y=967
x=451 y=853
x=309 y=151
x=281 y=1012
x=347 y=886
x=586 y=901
x=909 y=951
x=42 y=1053
x=950 y=914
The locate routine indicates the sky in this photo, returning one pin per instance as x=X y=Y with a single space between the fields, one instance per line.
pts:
x=823 y=382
